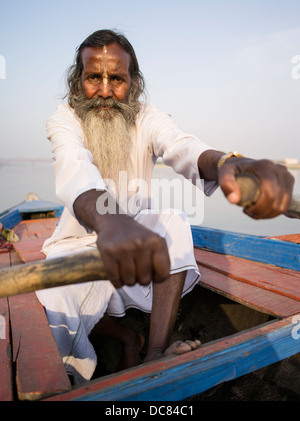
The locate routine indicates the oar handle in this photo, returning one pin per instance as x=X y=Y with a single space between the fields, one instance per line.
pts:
x=80 y=267
x=250 y=191
x=294 y=208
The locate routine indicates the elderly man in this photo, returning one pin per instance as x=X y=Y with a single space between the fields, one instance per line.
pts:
x=105 y=141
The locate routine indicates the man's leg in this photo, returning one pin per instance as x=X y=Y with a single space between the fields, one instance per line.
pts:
x=165 y=305
x=132 y=342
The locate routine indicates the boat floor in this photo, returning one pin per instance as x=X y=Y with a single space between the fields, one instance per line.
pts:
x=31 y=366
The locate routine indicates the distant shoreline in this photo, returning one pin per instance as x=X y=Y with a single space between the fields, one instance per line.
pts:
x=290 y=166
x=13 y=161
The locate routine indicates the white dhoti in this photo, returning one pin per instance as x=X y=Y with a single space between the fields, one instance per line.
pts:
x=74 y=310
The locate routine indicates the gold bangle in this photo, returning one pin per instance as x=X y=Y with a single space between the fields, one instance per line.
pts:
x=228 y=155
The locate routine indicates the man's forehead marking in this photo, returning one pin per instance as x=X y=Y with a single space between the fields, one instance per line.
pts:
x=105 y=74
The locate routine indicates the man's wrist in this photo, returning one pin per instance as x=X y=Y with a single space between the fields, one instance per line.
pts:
x=85 y=209
x=208 y=164
x=226 y=156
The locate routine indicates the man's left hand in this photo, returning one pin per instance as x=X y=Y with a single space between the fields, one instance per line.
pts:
x=276 y=185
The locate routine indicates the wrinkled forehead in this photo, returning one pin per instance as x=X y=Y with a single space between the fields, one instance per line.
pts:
x=112 y=56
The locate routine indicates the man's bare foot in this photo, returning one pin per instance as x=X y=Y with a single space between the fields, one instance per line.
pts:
x=131 y=349
x=177 y=348
x=181 y=347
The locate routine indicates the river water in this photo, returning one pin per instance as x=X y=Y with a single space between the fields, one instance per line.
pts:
x=20 y=178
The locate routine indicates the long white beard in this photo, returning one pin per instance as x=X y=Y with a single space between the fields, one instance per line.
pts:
x=110 y=142
x=108 y=125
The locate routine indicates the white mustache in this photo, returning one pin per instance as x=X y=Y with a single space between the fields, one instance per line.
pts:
x=103 y=103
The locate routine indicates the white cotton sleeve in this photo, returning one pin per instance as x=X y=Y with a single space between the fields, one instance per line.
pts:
x=178 y=149
x=73 y=163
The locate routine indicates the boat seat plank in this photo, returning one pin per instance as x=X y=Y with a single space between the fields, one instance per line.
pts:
x=251 y=296
x=292 y=238
x=30 y=251
x=33 y=234
x=36 y=228
x=6 y=373
x=254 y=284
x=39 y=367
x=255 y=273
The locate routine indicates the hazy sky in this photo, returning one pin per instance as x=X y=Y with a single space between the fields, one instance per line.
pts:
x=227 y=71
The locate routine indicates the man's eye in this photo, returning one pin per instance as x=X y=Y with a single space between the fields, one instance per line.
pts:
x=94 y=79
x=116 y=80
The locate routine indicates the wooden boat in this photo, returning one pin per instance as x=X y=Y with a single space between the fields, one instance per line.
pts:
x=259 y=273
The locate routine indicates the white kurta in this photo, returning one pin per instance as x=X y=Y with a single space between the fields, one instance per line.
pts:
x=74 y=310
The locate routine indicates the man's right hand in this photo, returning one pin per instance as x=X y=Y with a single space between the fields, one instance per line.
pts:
x=130 y=252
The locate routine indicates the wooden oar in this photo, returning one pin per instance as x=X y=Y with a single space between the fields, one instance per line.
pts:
x=88 y=266
x=250 y=190
x=82 y=267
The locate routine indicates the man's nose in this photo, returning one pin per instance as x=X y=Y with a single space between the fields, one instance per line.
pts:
x=105 y=88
